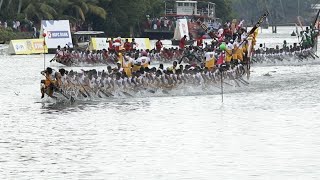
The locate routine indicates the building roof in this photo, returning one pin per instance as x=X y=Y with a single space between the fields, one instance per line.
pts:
x=88 y=32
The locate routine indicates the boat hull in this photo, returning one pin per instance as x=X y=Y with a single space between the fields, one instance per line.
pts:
x=176 y=42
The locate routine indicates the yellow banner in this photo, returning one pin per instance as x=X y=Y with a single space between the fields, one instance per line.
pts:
x=99 y=44
x=27 y=46
x=141 y=43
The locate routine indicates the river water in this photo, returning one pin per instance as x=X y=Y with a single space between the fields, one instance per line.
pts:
x=268 y=130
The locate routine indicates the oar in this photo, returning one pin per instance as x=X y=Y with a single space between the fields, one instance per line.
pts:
x=104 y=92
x=232 y=78
x=53 y=59
x=95 y=92
x=149 y=90
x=71 y=98
x=82 y=93
x=240 y=78
x=109 y=93
x=127 y=94
x=165 y=91
x=311 y=52
x=84 y=88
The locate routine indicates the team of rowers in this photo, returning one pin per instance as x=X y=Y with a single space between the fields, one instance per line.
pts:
x=235 y=48
x=288 y=53
x=134 y=68
x=115 y=81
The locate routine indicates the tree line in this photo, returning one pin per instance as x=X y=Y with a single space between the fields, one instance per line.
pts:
x=115 y=17
x=281 y=11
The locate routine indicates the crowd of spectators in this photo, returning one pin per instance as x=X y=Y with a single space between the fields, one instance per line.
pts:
x=20 y=26
x=81 y=26
x=161 y=23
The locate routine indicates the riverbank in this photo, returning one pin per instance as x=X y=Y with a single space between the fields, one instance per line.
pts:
x=6 y=35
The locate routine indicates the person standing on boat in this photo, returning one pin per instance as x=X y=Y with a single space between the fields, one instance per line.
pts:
x=238 y=50
x=110 y=42
x=309 y=37
x=133 y=44
x=200 y=42
x=127 y=63
x=159 y=46
x=209 y=59
x=127 y=46
x=182 y=42
x=117 y=43
x=229 y=49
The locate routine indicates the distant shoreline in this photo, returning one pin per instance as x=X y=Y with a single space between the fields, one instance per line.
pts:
x=7 y=35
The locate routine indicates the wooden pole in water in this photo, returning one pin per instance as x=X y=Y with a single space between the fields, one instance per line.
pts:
x=44 y=50
x=44 y=58
x=221 y=85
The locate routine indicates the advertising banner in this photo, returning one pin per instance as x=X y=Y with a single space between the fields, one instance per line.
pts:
x=27 y=46
x=57 y=33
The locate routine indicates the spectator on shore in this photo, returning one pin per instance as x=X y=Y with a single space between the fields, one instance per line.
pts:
x=34 y=31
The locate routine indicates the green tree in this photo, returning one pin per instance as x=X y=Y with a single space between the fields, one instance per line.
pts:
x=125 y=16
x=79 y=9
x=38 y=10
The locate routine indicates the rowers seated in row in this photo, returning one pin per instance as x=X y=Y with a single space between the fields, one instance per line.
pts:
x=51 y=83
x=62 y=54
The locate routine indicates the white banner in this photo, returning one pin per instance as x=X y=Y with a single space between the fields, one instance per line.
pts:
x=183 y=27
x=57 y=33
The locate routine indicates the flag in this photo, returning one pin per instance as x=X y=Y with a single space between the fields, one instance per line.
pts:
x=221 y=58
x=240 y=24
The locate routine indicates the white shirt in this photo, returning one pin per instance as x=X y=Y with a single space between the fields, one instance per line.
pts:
x=230 y=46
x=209 y=56
x=237 y=44
x=144 y=60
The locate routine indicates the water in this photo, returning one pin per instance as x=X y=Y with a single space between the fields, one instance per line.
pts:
x=268 y=130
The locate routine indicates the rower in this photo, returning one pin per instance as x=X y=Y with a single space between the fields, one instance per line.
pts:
x=50 y=83
x=63 y=78
x=161 y=68
x=109 y=70
x=59 y=53
x=145 y=60
x=136 y=65
x=173 y=67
